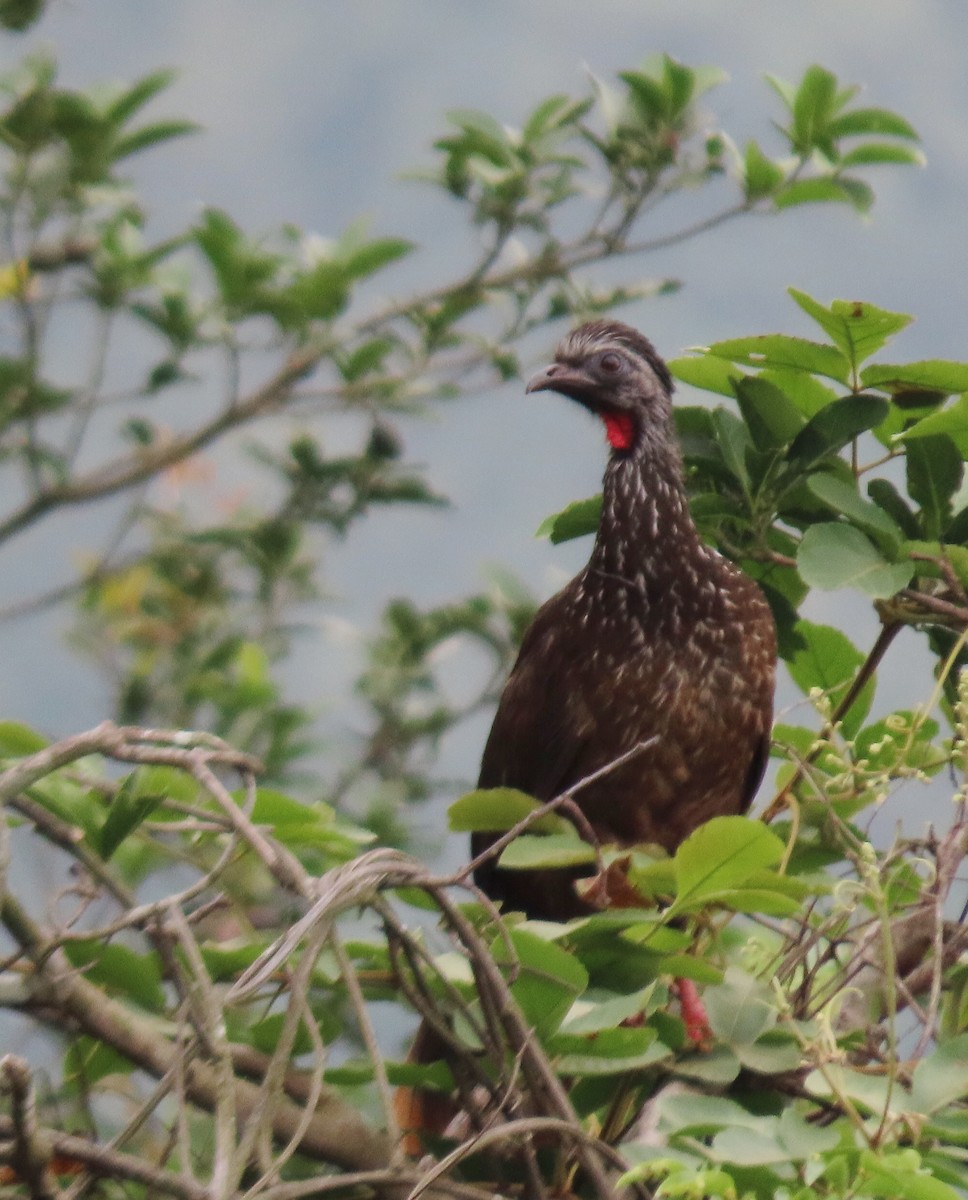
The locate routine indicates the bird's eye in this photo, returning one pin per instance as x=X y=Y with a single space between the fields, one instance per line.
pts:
x=611 y=363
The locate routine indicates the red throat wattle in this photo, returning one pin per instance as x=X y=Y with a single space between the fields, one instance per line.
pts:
x=620 y=428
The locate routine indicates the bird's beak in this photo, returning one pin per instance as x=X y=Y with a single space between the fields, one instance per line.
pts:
x=559 y=377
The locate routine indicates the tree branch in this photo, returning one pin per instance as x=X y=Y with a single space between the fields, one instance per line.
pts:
x=64 y=999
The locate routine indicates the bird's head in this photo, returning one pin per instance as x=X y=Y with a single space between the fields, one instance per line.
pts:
x=615 y=372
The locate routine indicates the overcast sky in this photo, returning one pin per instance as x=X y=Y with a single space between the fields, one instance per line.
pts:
x=314 y=109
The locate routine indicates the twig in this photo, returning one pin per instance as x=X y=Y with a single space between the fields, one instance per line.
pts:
x=144 y=464
x=525 y=1128
x=866 y=672
x=562 y=800
x=254 y=1133
x=209 y=1022
x=544 y=1085
x=281 y=864
x=942 y=608
x=365 y=1025
x=113 y=1164
x=63 y=998
x=349 y=886
x=31 y=1152
x=949 y=857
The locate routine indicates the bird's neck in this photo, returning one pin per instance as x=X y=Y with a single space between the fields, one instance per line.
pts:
x=646 y=535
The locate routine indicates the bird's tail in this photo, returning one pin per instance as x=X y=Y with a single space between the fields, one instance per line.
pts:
x=421 y=1112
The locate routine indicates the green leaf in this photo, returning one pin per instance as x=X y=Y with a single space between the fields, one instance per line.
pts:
x=951 y=421
x=528 y=853
x=934 y=473
x=740 y=1008
x=495 y=810
x=679 y=966
x=17 y=740
x=734 y=441
x=721 y=855
x=878 y=121
x=168 y=782
x=930 y=375
x=72 y=802
x=905 y=737
x=311 y=826
x=942 y=1077
x=832 y=428
x=137 y=96
x=765 y=900
x=824 y=190
x=871 y=153
x=264 y=1035
x=897 y=1174
x=957 y=555
x=226 y=960
x=688 y=1112
x=553 y=114
x=829 y=660
x=858 y=328
x=807 y=392
x=749 y=1147
x=843 y=497
x=594 y=1011
x=365 y=358
x=706 y=371
x=608 y=1052
x=761 y=175
x=575 y=520
x=86 y=1061
x=321 y=292
x=873 y=1093
x=781 y=351
x=371 y=256
x=718 y=1066
x=151 y=135
x=131 y=805
x=774 y=1053
x=242 y=269
x=435 y=1076
x=773 y=420
x=120 y=970
x=886 y=496
x=813 y=108
x=857 y=192
x=546 y=979
x=786 y=91
x=277 y=809
x=835 y=555
x=483 y=135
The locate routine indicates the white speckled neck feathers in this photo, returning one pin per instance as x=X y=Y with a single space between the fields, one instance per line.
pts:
x=646 y=530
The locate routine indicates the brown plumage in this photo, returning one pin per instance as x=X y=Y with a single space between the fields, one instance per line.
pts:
x=658 y=637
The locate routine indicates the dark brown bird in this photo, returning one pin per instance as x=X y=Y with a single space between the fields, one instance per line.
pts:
x=658 y=637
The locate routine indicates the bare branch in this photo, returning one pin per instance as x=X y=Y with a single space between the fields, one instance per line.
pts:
x=62 y=998
x=30 y=1153
x=103 y=1161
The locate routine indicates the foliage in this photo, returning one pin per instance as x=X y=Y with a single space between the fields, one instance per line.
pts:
x=216 y=962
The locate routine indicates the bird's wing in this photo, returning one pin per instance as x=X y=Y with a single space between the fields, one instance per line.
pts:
x=543 y=720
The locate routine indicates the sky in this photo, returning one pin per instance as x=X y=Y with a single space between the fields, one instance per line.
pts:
x=313 y=113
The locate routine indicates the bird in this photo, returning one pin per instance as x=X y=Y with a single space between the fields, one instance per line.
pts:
x=658 y=639
x=659 y=642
